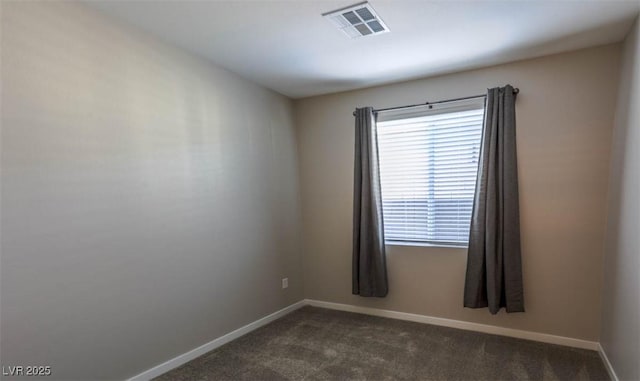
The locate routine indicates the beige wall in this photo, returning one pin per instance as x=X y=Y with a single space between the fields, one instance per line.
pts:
x=149 y=199
x=564 y=114
x=620 y=336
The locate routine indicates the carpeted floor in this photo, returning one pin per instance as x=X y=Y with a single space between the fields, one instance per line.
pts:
x=319 y=344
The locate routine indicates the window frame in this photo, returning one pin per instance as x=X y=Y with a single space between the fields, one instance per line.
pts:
x=438 y=108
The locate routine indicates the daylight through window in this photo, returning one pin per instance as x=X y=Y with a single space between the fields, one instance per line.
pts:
x=428 y=166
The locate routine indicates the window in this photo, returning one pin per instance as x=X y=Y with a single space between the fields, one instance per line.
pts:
x=428 y=167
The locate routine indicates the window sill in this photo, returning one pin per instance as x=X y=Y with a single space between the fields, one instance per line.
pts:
x=425 y=244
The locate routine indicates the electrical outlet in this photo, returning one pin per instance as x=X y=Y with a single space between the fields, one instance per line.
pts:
x=285 y=282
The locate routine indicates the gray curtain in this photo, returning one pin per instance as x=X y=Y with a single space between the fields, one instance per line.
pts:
x=369 y=263
x=494 y=270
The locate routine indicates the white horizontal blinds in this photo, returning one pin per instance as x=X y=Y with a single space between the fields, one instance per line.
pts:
x=428 y=167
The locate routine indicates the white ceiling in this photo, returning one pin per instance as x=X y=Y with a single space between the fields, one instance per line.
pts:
x=287 y=46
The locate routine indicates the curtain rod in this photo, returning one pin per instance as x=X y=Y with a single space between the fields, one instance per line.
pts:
x=515 y=91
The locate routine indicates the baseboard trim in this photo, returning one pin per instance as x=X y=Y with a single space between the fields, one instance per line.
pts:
x=213 y=344
x=520 y=334
x=607 y=363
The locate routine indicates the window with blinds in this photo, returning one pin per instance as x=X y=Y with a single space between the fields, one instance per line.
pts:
x=428 y=167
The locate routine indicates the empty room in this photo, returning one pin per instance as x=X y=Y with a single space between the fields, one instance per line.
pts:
x=319 y=190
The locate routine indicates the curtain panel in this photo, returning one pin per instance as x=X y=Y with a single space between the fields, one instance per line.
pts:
x=369 y=257
x=494 y=269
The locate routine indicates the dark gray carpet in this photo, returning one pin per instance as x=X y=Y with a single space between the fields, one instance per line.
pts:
x=319 y=344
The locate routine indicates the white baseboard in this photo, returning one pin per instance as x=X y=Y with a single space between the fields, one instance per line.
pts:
x=607 y=363
x=199 y=351
x=520 y=334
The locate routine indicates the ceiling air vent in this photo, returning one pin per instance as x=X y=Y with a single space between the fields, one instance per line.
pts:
x=357 y=20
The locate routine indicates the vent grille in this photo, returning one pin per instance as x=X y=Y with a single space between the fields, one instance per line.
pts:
x=357 y=20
